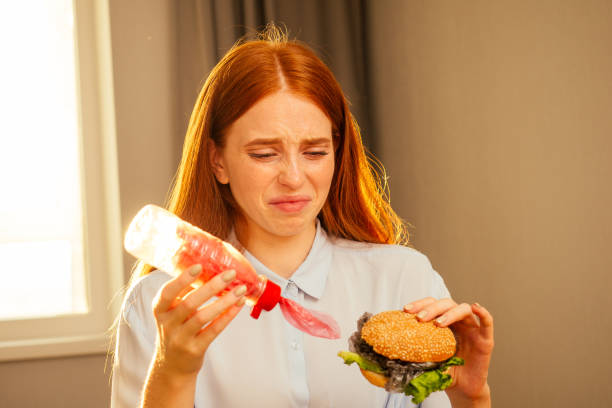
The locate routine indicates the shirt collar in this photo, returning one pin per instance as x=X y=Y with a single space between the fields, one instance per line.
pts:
x=310 y=276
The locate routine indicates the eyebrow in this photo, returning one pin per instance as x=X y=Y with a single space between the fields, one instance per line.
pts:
x=275 y=141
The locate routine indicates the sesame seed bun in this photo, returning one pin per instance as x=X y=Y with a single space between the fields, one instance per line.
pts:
x=399 y=335
x=376 y=379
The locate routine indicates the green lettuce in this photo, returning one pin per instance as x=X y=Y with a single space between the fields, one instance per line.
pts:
x=419 y=387
x=434 y=380
x=350 y=358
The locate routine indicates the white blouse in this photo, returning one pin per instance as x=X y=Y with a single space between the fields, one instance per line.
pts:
x=269 y=363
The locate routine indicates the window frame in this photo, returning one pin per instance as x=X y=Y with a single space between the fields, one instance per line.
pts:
x=86 y=333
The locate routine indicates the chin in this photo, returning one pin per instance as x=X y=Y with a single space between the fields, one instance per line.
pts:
x=290 y=227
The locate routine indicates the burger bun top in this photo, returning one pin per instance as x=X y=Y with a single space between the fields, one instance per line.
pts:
x=399 y=335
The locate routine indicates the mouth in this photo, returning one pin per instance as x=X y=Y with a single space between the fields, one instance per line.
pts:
x=290 y=204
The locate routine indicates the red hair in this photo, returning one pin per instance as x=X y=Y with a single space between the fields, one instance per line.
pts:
x=357 y=207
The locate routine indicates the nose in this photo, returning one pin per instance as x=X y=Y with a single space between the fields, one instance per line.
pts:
x=291 y=174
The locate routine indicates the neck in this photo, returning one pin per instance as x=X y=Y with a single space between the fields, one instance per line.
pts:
x=281 y=254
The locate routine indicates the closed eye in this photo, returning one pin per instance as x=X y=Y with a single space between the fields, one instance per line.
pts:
x=262 y=155
x=320 y=153
x=268 y=155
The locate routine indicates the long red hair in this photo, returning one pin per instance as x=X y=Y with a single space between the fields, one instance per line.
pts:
x=357 y=207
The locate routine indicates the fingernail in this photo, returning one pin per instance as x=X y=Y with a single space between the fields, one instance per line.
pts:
x=476 y=304
x=195 y=270
x=240 y=290
x=408 y=307
x=241 y=301
x=422 y=314
x=441 y=319
x=229 y=276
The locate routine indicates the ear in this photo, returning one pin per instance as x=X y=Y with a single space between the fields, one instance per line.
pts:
x=217 y=163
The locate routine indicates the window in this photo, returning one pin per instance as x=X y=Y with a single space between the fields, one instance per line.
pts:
x=60 y=238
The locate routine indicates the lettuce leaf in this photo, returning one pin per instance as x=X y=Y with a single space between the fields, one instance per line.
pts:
x=419 y=387
x=350 y=358
x=453 y=361
x=434 y=380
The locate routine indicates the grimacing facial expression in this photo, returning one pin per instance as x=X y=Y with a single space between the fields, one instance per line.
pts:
x=278 y=160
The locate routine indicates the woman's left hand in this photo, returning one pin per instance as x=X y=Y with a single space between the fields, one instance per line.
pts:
x=473 y=327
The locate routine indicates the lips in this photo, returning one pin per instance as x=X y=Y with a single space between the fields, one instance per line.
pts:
x=290 y=203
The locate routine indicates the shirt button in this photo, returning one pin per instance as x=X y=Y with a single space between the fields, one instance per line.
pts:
x=295 y=345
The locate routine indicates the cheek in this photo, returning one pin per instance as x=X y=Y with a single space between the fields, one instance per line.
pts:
x=324 y=174
x=250 y=180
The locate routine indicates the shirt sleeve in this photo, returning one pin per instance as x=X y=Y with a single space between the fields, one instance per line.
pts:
x=438 y=288
x=419 y=279
x=135 y=343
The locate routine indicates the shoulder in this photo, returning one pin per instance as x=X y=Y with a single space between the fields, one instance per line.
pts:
x=404 y=267
x=148 y=285
x=139 y=297
x=380 y=253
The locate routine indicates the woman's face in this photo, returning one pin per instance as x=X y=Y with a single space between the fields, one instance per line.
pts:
x=279 y=162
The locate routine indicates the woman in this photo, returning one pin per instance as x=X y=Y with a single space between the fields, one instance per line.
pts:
x=273 y=163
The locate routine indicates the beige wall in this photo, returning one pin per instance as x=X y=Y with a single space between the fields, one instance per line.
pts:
x=74 y=382
x=495 y=121
x=149 y=138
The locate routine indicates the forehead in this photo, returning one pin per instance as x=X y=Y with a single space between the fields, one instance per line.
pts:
x=282 y=115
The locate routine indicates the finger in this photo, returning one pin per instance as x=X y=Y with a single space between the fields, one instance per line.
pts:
x=210 y=332
x=190 y=303
x=417 y=305
x=435 y=309
x=171 y=290
x=460 y=313
x=184 y=293
x=486 y=320
x=214 y=309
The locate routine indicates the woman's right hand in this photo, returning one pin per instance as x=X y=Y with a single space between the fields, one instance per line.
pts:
x=185 y=328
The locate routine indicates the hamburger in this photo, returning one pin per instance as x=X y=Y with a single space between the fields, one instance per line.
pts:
x=400 y=354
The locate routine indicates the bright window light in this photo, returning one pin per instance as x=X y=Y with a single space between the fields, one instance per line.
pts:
x=41 y=227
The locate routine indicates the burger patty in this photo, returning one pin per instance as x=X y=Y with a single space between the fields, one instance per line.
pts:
x=399 y=372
